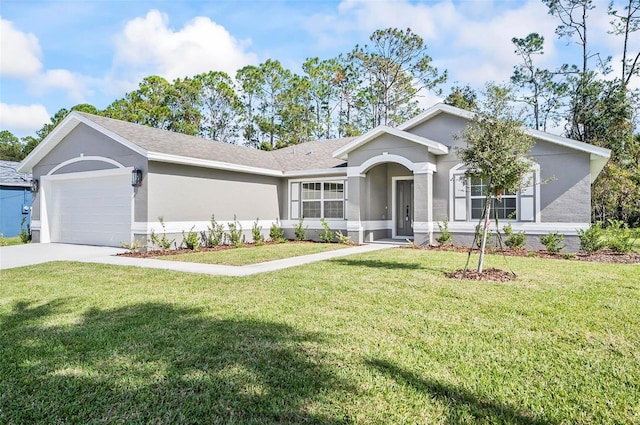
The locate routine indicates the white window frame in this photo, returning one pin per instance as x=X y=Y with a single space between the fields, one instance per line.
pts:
x=297 y=201
x=527 y=200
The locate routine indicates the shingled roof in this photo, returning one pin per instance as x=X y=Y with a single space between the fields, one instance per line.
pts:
x=10 y=177
x=306 y=156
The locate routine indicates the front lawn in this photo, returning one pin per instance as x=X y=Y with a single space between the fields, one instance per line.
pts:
x=376 y=338
x=254 y=254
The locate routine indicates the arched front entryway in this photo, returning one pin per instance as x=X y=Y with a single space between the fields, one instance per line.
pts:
x=390 y=198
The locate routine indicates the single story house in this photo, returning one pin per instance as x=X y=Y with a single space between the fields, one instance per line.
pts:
x=15 y=199
x=104 y=181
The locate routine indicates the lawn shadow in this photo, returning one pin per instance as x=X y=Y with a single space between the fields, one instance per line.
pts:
x=377 y=264
x=158 y=363
x=461 y=403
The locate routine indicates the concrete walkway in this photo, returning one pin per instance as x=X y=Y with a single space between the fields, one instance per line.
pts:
x=30 y=254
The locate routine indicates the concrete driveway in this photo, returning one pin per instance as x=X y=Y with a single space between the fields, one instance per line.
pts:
x=37 y=253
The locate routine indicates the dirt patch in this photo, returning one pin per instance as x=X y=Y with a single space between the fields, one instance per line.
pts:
x=494 y=275
x=160 y=253
x=602 y=256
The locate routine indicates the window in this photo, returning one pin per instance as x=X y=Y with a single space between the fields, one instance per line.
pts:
x=321 y=199
x=468 y=199
x=501 y=208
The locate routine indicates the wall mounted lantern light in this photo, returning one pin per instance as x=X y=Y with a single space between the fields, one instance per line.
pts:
x=35 y=185
x=136 y=177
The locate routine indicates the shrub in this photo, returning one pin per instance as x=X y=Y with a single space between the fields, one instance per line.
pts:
x=445 y=236
x=25 y=232
x=215 y=234
x=591 y=239
x=161 y=242
x=191 y=240
x=479 y=236
x=619 y=237
x=235 y=233
x=132 y=247
x=343 y=239
x=276 y=233
x=256 y=232
x=326 y=235
x=514 y=240
x=300 y=230
x=552 y=241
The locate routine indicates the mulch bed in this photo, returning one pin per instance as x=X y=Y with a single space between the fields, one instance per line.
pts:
x=494 y=275
x=172 y=251
x=602 y=256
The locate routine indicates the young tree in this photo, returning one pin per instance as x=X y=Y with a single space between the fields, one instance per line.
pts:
x=496 y=152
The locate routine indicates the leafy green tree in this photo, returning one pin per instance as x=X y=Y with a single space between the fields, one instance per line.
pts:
x=496 y=151
x=463 y=97
x=29 y=143
x=52 y=124
x=395 y=68
x=541 y=92
x=10 y=147
x=220 y=107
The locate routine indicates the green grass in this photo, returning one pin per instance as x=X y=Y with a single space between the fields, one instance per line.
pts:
x=15 y=240
x=368 y=339
x=254 y=254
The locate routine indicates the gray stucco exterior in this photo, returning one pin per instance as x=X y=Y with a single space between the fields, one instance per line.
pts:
x=186 y=186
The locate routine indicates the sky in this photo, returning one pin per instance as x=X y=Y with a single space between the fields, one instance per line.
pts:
x=58 y=53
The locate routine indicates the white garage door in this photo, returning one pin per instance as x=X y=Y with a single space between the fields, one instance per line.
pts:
x=91 y=210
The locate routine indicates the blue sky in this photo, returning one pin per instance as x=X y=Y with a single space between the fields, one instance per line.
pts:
x=56 y=54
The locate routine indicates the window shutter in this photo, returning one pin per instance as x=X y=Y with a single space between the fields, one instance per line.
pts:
x=295 y=201
x=459 y=198
x=526 y=211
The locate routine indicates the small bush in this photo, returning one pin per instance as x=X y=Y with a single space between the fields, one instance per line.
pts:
x=568 y=256
x=191 y=240
x=163 y=242
x=300 y=230
x=326 y=235
x=235 y=233
x=215 y=234
x=619 y=238
x=552 y=242
x=25 y=232
x=256 y=233
x=445 y=235
x=591 y=239
x=343 y=239
x=479 y=236
x=276 y=233
x=132 y=247
x=514 y=240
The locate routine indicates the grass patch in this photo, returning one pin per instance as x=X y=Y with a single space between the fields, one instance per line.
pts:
x=254 y=254
x=381 y=337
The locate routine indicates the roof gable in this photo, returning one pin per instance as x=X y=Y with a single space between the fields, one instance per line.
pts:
x=434 y=147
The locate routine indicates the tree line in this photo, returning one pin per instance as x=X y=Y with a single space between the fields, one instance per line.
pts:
x=268 y=106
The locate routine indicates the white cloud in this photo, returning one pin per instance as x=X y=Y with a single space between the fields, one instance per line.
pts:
x=149 y=46
x=22 y=120
x=472 y=40
x=74 y=84
x=19 y=52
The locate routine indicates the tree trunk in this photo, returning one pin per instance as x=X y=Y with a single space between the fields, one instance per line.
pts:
x=485 y=230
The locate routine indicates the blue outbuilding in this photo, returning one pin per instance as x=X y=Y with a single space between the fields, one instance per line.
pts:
x=15 y=199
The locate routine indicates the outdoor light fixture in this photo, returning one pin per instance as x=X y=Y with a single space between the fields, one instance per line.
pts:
x=35 y=185
x=136 y=177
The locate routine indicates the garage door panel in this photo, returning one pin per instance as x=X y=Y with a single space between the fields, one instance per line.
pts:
x=91 y=210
